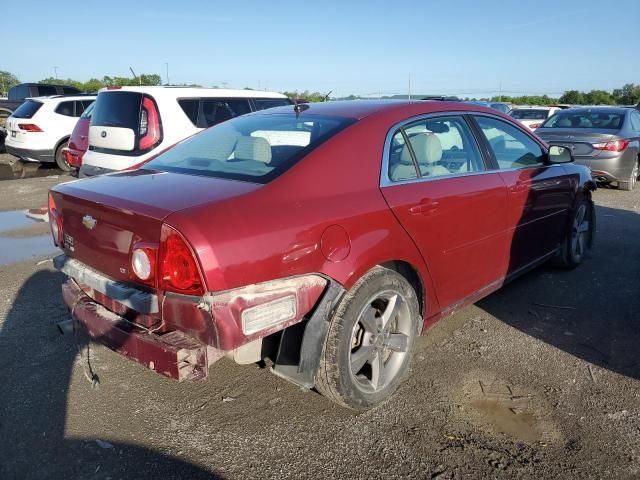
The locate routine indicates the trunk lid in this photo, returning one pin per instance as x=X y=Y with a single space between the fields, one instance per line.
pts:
x=579 y=141
x=103 y=216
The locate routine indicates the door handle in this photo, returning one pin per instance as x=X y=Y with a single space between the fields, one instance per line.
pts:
x=519 y=187
x=423 y=208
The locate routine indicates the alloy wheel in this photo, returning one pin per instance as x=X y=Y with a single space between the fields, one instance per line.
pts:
x=579 y=231
x=380 y=341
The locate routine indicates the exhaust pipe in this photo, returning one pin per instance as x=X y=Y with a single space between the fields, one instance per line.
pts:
x=65 y=327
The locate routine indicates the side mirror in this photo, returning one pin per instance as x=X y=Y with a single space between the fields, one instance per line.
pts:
x=559 y=154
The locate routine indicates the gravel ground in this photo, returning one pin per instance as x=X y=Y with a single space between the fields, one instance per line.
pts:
x=539 y=380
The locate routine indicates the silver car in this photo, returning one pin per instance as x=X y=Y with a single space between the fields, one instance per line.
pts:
x=605 y=139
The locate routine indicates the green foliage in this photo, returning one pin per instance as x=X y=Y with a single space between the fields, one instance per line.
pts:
x=627 y=95
x=7 y=80
x=94 y=84
x=307 y=95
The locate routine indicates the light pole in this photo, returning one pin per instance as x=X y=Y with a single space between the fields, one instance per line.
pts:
x=166 y=64
x=55 y=72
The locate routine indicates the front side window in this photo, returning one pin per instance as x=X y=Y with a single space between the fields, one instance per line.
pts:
x=253 y=148
x=436 y=147
x=511 y=147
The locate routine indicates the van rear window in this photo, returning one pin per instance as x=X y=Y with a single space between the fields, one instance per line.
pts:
x=27 y=110
x=263 y=103
x=117 y=109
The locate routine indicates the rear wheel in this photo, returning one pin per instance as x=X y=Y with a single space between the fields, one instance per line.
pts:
x=577 y=244
x=633 y=179
x=368 y=347
x=61 y=160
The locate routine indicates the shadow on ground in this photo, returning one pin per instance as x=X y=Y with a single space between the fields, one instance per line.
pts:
x=35 y=372
x=592 y=312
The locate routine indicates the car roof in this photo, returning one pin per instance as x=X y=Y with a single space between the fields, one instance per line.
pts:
x=177 y=92
x=359 y=109
x=79 y=96
x=535 y=107
x=599 y=109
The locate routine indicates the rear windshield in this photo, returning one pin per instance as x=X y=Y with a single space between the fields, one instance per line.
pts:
x=117 y=109
x=27 y=110
x=263 y=103
x=529 y=114
x=254 y=148
x=569 y=119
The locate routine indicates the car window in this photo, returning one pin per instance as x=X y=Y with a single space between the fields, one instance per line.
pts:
x=87 y=111
x=635 y=120
x=190 y=108
x=529 y=113
x=65 y=108
x=263 y=103
x=511 y=147
x=27 y=109
x=216 y=110
x=46 y=90
x=254 y=148
x=117 y=109
x=585 y=119
x=440 y=146
x=70 y=90
x=79 y=108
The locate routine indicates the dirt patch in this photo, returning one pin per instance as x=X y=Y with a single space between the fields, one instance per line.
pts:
x=500 y=407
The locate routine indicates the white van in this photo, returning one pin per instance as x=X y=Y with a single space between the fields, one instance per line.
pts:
x=131 y=124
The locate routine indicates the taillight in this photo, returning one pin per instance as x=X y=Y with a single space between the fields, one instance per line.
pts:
x=55 y=222
x=143 y=263
x=613 y=146
x=178 y=269
x=535 y=125
x=149 y=127
x=29 y=127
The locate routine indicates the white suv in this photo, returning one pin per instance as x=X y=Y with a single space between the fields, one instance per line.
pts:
x=532 y=117
x=131 y=124
x=40 y=128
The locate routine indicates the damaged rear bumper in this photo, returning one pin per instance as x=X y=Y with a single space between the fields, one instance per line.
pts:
x=174 y=355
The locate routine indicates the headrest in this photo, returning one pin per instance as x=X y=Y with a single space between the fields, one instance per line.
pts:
x=427 y=148
x=253 y=148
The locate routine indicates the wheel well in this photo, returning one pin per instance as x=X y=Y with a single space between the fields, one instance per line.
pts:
x=413 y=277
x=62 y=140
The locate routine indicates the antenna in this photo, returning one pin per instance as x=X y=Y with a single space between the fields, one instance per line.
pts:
x=326 y=97
x=134 y=76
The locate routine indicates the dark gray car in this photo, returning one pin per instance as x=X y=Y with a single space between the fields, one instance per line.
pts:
x=605 y=139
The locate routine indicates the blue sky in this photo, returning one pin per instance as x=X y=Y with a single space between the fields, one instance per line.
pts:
x=363 y=47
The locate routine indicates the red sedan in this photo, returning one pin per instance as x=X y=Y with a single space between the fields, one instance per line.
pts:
x=79 y=140
x=323 y=237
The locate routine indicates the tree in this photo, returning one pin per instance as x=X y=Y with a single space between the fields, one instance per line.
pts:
x=572 y=97
x=7 y=80
x=598 y=97
x=629 y=94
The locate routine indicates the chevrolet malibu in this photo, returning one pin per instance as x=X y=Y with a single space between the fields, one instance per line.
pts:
x=321 y=238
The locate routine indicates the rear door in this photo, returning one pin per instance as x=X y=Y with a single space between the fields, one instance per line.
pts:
x=539 y=194
x=437 y=184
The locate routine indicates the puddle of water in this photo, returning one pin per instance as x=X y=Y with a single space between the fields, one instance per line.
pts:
x=14 y=250
x=521 y=425
x=15 y=219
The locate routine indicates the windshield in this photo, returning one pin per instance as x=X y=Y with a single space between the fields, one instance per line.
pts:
x=589 y=119
x=27 y=110
x=254 y=148
x=529 y=114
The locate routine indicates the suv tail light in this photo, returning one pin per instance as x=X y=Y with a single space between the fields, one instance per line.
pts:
x=29 y=127
x=55 y=223
x=178 y=269
x=149 y=128
x=613 y=146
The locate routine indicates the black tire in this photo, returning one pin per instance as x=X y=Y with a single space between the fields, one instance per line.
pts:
x=633 y=179
x=391 y=347
x=578 y=241
x=60 y=160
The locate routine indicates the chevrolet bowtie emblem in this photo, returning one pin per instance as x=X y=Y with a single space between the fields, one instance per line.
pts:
x=89 y=222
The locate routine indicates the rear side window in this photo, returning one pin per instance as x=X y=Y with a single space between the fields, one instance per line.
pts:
x=216 y=110
x=117 y=109
x=263 y=103
x=635 y=120
x=46 y=90
x=66 y=109
x=190 y=108
x=27 y=110
x=254 y=148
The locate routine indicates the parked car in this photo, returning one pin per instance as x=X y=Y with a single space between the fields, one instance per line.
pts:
x=40 y=128
x=19 y=93
x=532 y=117
x=500 y=106
x=605 y=139
x=325 y=237
x=131 y=124
x=79 y=140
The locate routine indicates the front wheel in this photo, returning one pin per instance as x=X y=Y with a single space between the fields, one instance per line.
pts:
x=369 y=345
x=578 y=241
